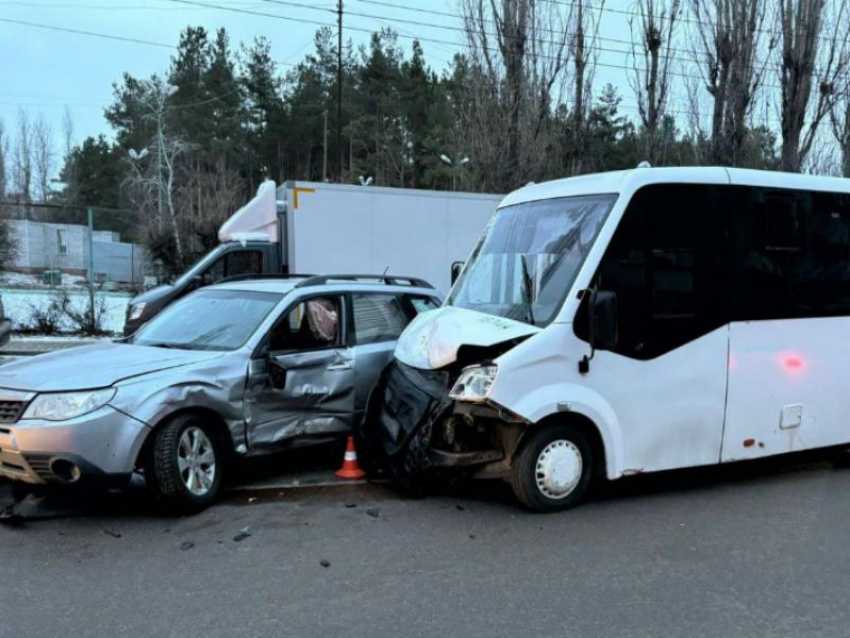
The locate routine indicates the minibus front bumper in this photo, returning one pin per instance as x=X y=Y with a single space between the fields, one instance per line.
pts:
x=412 y=421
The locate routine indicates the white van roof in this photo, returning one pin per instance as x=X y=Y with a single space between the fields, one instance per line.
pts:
x=617 y=182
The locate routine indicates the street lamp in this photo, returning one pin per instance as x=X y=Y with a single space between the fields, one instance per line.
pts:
x=366 y=181
x=454 y=165
x=138 y=155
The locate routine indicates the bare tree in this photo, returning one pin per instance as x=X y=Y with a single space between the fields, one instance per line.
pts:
x=655 y=22
x=583 y=27
x=519 y=50
x=67 y=132
x=732 y=49
x=4 y=152
x=22 y=169
x=153 y=176
x=840 y=118
x=207 y=198
x=42 y=157
x=815 y=57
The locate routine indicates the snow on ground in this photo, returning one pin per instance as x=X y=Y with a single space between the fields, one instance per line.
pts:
x=36 y=282
x=19 y=304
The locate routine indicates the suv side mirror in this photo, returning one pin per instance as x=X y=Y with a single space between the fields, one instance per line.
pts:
x=457 y=268
x=604 y=320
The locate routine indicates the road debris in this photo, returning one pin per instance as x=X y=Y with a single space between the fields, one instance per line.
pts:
x=242 y=535
x=112 y=533
x=374 y=512
x=186 y=545
x=325 y=563
x=350 y=505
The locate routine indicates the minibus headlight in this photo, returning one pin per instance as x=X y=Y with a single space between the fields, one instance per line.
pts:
x=62 y=406
x=474 y=384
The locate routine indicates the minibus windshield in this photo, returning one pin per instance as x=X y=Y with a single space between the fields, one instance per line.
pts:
x=525 y=264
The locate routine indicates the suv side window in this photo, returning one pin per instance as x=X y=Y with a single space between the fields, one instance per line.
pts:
x=311 y=325
x=378 y=317
x=422 y=304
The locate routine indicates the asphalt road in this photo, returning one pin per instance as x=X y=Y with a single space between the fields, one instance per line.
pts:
x=747 y=550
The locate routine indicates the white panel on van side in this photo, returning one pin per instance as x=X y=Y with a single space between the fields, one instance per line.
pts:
x=331 y=232
x=781 y=371
x=409 y=237
x=658 y=414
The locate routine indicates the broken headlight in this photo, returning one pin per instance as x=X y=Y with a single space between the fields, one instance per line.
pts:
x=474 y=384
x=67 y=405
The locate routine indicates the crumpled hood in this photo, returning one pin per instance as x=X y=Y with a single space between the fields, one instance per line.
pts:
x=433 y=339
x=95 y=366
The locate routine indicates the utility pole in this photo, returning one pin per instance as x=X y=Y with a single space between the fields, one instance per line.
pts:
x=325 y=150
x=90 y=234
x=339 y=92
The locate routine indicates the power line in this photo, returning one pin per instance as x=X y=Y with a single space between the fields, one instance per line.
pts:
x=106 y=36
x=464 y=31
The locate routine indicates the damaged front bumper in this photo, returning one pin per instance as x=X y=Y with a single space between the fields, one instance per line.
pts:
x=416 y=426
x=98 y=447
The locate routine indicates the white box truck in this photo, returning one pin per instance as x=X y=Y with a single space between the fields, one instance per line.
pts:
x=318 y=228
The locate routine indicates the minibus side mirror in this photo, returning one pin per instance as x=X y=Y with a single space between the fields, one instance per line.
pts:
x=604 y=320
x=457 y=268
x=603 y=325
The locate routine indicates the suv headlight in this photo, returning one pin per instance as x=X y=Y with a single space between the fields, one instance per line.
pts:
x=474 y=384
x=67 y=405
x=135 y=311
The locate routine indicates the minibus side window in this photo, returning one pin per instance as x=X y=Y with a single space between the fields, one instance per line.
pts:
x=667 y=265
x=791 y=255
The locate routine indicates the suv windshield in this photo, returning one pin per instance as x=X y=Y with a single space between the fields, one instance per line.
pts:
x=525 y=264
x=208 y=320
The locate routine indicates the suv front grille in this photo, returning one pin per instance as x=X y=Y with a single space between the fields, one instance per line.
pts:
x=10 y=411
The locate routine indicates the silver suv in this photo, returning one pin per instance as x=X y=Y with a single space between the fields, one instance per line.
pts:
x=243 y=368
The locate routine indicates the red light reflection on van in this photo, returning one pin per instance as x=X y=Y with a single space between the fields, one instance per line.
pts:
x=792 y=363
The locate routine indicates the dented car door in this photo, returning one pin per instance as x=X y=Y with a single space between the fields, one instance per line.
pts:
x=303 y=384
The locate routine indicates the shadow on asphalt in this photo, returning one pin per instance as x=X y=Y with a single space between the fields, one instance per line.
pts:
x=136 y=501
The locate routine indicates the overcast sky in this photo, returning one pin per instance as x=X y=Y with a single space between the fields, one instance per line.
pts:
x=44 y=70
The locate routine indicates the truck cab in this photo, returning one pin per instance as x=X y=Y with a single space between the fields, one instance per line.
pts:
x=250 y=245
x=230 y=259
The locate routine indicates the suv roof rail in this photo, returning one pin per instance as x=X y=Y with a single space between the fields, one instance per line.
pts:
x=389 y=280
x=264 y=275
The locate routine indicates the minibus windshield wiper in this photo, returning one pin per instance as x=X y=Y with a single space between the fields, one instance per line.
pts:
x=526 y=289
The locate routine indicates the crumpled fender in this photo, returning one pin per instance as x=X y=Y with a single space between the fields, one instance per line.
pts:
x=219 y=388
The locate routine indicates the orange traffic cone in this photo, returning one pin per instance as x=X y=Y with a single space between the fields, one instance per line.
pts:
x=350 y=469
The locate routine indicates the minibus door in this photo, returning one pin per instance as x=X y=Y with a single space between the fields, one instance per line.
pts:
x=788 y=348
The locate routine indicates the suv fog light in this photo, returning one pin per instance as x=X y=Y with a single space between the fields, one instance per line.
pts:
x=65 y=471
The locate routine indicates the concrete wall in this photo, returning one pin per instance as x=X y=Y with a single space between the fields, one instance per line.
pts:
x=42 y=246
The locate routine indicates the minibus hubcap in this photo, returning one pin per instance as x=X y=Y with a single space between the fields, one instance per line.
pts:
x=196 y=461
x=558 y=469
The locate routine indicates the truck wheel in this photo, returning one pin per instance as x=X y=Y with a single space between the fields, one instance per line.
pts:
x=552 y=469
x=186 y=465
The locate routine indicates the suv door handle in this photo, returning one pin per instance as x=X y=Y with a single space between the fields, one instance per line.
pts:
x=340 y=366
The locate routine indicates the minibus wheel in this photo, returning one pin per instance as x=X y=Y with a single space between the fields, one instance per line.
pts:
x=552 y=469
x=186 y=464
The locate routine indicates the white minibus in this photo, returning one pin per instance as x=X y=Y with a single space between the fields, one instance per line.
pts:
x=630 y=322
